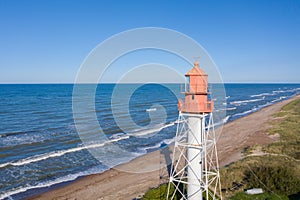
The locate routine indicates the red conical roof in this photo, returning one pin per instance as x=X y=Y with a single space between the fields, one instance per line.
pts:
x=196 y=71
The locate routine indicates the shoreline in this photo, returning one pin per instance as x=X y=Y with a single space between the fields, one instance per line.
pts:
x=116 y=183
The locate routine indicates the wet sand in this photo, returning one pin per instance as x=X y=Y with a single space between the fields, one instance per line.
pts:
x=120 y=184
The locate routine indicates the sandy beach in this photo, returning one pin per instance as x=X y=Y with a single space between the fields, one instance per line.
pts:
x=118 y=184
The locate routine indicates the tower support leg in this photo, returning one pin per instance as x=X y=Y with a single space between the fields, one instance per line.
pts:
x=195 y=168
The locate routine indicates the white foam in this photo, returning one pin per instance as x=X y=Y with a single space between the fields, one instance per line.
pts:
x=275 y=92
x=226 y=119
x=223 y=121
x=262 y=94
x=222 y=109
x=58 y=153
x=232 y=108
x=179 y=121
x=280 y=98
x=154 y=130
x=279 y=91
x=12 y=140
x=265 y=105
x=293 y=90
x=116 y=136
x=151 y=109
x=157 y=145
x=50 y=183
x=246 y=112
x=246 y=101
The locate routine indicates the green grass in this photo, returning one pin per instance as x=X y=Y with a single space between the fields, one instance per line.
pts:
x=279 y=171
x=271 y=173
x=289 y=131
x=280 y=114
x=294 y=105
x=159 y=193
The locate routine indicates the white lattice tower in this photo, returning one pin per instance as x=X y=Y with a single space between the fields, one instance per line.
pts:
x=195 y=175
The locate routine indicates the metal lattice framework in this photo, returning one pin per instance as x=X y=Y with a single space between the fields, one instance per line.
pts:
x=209 y=183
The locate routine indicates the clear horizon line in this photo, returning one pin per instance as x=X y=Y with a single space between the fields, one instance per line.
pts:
x=70 y=83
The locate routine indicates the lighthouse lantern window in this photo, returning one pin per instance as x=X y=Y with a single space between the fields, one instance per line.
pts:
x=187 y=88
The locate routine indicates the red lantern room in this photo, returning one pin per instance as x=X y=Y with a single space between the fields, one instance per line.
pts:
x=196 y=93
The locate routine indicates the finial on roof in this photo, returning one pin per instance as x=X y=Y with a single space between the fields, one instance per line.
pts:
x=196 y=64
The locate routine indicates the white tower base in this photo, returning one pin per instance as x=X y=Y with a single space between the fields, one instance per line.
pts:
x=195 y=168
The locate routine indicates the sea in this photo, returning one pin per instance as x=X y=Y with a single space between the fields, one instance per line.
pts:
x=44 y=144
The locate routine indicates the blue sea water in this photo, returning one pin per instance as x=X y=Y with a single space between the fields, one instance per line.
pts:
x=40 y=145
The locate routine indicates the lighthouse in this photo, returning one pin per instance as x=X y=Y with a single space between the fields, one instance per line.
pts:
x=195 y=169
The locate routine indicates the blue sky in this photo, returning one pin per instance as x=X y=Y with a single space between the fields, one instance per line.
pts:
x=250 y=41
